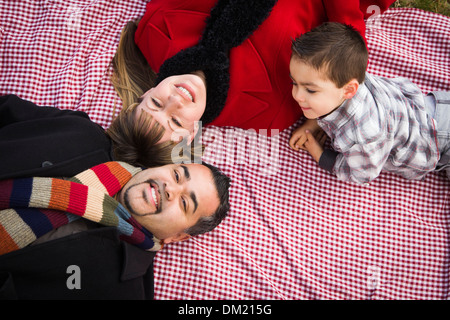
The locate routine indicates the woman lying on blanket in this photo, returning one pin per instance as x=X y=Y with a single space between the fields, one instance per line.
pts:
x=225 y=63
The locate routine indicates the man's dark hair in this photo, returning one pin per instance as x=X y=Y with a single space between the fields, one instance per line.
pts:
x=222 y=183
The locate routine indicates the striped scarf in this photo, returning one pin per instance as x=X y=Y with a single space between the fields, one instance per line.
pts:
x=31 y=207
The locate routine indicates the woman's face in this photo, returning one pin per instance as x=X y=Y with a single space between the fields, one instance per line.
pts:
x=177 y=103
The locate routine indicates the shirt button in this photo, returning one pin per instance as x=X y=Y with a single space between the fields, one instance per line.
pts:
x=46 y=164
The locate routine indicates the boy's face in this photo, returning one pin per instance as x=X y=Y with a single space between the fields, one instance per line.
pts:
x=313 y=91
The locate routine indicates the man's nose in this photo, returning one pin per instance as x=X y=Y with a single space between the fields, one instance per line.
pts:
x=172 y=190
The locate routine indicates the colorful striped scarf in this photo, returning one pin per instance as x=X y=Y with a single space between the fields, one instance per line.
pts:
x=31 y=207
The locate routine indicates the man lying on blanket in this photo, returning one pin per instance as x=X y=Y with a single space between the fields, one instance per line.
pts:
x=105 y=223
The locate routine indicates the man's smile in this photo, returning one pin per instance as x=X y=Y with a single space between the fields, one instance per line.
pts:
x=150 y=195
x=154 y=196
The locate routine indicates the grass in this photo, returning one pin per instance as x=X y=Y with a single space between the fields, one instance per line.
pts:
x=438 y=6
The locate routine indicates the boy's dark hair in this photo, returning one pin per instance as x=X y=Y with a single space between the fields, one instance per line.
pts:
x=336 y=49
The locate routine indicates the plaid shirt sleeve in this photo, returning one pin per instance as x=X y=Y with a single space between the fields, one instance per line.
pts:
x=361 y=163
x=380 y=128
x=362 y=155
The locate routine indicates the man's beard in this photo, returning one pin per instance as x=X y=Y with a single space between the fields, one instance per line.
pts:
x=127 y=202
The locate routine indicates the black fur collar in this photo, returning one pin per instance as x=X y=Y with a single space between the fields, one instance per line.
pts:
x=230 y=23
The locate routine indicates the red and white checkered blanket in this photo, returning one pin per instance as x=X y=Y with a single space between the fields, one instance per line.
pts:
x=294 y=231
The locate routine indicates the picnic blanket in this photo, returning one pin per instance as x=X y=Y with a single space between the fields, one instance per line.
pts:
x=294 y=231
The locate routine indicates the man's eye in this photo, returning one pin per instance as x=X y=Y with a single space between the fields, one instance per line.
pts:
x=156 y=103
x=184 y=204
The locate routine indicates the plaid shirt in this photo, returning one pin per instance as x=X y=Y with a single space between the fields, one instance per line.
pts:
x=383 y=127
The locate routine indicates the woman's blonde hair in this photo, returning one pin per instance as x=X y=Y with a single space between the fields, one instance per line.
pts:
x=131 y=74
x=137 y=141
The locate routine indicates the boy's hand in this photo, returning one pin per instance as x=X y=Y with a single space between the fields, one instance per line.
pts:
x=313 y=146
x=299 y=137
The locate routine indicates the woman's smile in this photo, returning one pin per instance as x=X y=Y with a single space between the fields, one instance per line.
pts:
x=176 y=103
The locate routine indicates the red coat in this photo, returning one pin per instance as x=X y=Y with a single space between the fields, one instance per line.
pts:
x=259 y=96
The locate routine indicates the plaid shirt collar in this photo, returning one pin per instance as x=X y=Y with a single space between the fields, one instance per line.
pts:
x=342 y=114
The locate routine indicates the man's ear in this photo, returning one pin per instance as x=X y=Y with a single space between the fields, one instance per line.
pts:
x=179 y=237
x=351 y=88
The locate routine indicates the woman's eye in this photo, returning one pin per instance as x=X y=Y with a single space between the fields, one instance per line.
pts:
x=310 y=91
x=156 y=103
x=177 y=177
x=177 y=123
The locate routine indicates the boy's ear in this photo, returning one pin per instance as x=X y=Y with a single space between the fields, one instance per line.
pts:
x=351 y=88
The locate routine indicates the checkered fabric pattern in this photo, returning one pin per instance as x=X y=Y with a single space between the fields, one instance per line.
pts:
x=294 y=231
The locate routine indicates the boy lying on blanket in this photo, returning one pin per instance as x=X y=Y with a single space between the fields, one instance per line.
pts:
x=374 y=123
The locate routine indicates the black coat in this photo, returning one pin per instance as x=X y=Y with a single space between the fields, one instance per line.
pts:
x=45 y=141
x=93 y=264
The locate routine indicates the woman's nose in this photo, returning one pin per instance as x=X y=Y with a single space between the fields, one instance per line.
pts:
x=175 y=101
